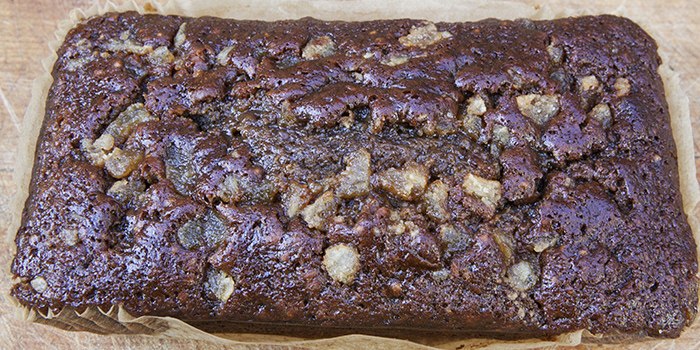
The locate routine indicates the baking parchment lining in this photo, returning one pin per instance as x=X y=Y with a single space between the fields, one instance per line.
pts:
x=117 y=321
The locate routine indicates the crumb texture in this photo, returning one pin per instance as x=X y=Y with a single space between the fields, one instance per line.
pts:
x=511 y=178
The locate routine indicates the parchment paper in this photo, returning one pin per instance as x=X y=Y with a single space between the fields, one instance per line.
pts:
x=117 y=321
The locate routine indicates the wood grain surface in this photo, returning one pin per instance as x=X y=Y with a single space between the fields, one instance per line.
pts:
x=27 y=25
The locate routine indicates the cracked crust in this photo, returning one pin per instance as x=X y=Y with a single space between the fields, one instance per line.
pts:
x=508 y=178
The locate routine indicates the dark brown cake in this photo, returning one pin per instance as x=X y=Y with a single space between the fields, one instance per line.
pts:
x=499 y=178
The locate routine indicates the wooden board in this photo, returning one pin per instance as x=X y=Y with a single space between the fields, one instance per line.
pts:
x=27 y=25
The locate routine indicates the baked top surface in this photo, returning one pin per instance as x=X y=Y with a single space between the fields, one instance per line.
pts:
x=493 y=176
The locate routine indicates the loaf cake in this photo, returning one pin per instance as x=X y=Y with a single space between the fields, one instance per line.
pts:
x=506 y=179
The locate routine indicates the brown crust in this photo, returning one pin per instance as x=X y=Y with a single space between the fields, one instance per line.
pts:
x=547 y=217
